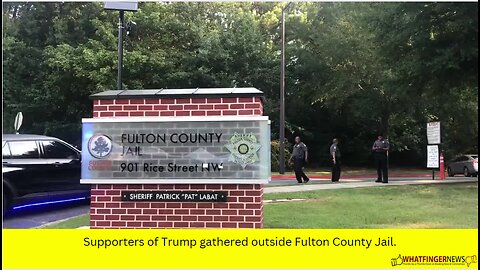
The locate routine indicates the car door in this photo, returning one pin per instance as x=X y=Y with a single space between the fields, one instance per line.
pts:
x=454 y=165
x=22 y=167
x=459 y=164
x=64 y=163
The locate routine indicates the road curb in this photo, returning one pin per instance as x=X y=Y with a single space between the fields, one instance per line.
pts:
x=55 y=222
x=283 y=200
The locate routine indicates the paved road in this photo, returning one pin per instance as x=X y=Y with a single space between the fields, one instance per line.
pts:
x=39 y=217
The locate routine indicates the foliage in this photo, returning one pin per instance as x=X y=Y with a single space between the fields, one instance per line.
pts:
x=275 y=155
x=352 y=69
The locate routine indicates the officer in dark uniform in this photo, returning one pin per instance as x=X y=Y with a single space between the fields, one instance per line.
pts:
x=336 y=160
x=380 y=150
x=300 y=158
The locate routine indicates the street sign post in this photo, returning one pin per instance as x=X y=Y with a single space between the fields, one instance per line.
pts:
x=433 y=158
x=433 y=133
x=433 y=140
x=18 y=121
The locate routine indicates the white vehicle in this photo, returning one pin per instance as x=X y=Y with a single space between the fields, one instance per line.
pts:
x=464 y=164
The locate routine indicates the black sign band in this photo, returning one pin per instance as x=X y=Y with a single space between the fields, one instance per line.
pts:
x=174 y=196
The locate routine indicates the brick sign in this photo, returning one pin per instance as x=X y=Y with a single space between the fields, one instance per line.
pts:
x=176 y=150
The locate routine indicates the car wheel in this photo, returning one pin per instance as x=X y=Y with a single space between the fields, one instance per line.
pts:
x=466 y=172
x=449 y=172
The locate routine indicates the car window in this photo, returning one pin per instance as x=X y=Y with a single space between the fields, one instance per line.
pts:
x=474 y=157
x=23 y=149
x=5 y=150
x=54 y=149
x=464 y=158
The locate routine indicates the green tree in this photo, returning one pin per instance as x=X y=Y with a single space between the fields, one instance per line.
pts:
x=352 y=69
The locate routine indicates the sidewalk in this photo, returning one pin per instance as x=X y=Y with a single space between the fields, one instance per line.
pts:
x=372 y=176
x=350 y=184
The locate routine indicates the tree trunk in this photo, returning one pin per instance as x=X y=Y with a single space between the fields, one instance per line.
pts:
x=384 y=119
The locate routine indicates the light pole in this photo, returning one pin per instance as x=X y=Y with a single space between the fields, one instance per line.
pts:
x=121 y=25
x=121 y=7
x=282 y=94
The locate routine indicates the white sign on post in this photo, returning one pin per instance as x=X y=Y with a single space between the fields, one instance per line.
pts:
x=433 y=133
x=18 y=121
x=433 y=156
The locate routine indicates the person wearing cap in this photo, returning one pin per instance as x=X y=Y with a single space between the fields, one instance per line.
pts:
x=380 y=150
x=336 y=160
x=300 y=158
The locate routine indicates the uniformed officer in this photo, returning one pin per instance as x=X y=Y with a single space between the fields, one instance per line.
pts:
x=300 y=158
x=336 y=160
x=380 y=150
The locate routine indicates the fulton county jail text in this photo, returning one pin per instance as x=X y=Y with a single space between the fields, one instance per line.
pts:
x=174 y=138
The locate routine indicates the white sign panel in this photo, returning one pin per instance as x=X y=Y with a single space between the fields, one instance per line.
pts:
x=176 y=150
x=433 y=156
x=122 y=5
x=433 y=133
x=18 y=121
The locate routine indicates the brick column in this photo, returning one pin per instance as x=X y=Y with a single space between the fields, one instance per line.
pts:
x=244 y=208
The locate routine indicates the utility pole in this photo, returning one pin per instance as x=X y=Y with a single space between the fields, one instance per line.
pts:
x=121 y=25
x=282 y=94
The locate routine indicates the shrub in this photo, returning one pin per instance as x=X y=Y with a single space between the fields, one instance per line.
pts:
x=275 y=148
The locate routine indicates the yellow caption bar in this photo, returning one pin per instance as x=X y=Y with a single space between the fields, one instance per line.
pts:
x=267 y=248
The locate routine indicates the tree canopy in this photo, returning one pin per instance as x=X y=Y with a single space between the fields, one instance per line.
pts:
x=353 y=69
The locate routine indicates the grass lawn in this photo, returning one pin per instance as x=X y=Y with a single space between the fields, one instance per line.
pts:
x=415 y=206
x=79 y=221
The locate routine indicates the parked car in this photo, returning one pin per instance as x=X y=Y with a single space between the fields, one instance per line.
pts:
x=464 y=164
x=39 y=170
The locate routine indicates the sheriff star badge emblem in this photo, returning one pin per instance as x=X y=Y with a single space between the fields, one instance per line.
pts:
x=243 y=149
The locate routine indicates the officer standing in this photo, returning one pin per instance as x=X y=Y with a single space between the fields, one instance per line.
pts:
x=380 y=150
x=336 y=160
x=300 y=158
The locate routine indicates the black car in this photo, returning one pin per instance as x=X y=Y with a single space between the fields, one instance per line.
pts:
x=40 y=170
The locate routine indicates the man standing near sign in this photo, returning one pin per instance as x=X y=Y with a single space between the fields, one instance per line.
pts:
x=300 y=158
x=336 y=160
x=380 y=150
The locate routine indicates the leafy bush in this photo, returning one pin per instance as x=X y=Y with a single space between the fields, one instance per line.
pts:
x=275 y=148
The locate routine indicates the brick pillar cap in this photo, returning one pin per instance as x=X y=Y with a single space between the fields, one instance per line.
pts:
x=179 y=93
